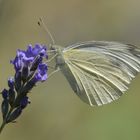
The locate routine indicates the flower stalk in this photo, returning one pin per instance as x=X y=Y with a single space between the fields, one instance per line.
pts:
x=29 y=69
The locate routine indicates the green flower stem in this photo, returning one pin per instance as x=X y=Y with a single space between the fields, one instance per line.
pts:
x=5 y=120
x=2 y=126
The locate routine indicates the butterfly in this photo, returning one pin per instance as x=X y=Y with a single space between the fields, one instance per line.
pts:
x=99 y=72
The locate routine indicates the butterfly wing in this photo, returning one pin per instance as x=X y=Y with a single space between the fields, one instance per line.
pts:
x=99 y=72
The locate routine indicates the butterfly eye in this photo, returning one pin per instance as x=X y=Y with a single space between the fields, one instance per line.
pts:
x=52 y=47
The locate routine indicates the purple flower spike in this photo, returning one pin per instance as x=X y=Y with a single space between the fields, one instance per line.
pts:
x=38 y=49
x=11 y=82
x=26 y=58
x=5 y=94
x=41 y=75
x=24 y=102
x=29 y=69
x=17 y=63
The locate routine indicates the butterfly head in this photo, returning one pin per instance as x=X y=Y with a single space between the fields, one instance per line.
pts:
x=58 y=53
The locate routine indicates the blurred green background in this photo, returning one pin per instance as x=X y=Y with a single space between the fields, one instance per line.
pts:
x=56 y=113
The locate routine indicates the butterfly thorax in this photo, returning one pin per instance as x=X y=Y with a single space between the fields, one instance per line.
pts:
x=59 y=55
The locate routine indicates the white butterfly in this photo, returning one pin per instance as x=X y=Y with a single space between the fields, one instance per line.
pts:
x=99 y=72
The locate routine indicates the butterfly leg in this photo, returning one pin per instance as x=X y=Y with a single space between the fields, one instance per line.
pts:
x=58 y=69
x=51 y=58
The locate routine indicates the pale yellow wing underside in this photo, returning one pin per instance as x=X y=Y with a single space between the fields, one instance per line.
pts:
x=99 y=72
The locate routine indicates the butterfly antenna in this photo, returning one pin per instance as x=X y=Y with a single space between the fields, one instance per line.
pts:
x=41 y=22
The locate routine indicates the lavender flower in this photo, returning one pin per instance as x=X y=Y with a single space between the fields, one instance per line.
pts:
x=29 y=69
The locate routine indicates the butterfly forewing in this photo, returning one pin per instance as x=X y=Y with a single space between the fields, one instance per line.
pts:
x=99 y=72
